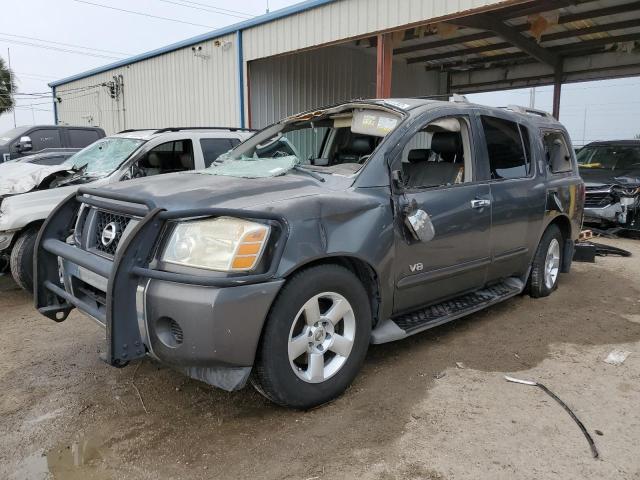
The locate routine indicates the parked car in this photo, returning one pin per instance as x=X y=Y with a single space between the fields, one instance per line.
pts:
x=22 y=141
x=50 y=156
x=611 y=171
x=29 y=192
x=365 y=222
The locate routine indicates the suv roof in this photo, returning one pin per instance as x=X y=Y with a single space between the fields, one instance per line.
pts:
x=410 y=105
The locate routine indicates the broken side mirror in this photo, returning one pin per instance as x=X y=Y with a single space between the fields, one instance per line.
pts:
x=25 y=144
x=418 y=223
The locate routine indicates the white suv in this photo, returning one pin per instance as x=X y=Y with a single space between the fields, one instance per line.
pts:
x=28 y=192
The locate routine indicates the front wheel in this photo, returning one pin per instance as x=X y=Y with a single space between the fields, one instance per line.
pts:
x=315 y=339
x=545 y=269
x=21 y=260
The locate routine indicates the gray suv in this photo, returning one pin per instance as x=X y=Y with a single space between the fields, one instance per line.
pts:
x=364 y=222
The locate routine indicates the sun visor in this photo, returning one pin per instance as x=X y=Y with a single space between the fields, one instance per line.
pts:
x=373 y=122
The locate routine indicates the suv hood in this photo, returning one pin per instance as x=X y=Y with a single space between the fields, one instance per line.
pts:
x=178 y=191
x=599 y=176
x=18 y=177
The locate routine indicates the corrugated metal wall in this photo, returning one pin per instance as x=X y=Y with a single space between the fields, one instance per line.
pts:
x=346 y=19
x=282 y=86
x=175 y=89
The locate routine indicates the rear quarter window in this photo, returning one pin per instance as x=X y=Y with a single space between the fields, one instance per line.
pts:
x=557 y=152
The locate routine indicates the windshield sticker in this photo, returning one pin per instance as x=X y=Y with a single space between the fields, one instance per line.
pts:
x=369 y=121
x=253 y=167
x=386 y=124
x=393 y=103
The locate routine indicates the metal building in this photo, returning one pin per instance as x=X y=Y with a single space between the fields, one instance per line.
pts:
x=322 y=51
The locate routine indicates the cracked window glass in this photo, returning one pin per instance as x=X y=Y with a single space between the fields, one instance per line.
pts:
x=104 y=156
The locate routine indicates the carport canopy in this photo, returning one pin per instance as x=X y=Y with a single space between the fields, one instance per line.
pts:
x=523 y=44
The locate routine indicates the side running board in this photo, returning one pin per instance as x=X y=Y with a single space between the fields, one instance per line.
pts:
x=411 y=323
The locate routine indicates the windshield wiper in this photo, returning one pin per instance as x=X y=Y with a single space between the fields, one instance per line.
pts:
x=311 y=173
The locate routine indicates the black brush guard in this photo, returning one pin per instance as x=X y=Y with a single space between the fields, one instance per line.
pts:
x=130 y=264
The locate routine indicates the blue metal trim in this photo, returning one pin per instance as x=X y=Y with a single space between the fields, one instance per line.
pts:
x=55 y=105
x=253 y=22
x=240 y=77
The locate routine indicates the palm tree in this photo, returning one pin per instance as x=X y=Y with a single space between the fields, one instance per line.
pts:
x=7 y=88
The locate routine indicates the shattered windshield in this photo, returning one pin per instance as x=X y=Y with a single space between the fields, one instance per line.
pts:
x=334 y=141
x=609 y=157
x=104 y=156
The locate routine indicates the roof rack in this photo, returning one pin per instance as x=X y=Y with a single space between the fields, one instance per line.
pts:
x=528 y=111
x=178 y=129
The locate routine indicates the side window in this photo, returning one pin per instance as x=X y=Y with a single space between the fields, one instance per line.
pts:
x=80 y=138
x=507 y=146
x=167 y=158
x=438 y=155
x=41 y=139
x=557 y=152
x=212 y=148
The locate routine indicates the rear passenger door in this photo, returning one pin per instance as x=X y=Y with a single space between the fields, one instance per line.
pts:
x=517 y=193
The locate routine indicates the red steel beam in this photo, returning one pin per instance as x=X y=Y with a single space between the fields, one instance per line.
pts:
x=384 y=66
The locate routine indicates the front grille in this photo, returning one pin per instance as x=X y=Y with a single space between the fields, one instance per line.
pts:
x=598 y=200
x=108 y=231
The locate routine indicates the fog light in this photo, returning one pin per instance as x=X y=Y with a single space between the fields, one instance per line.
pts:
x=169 y=332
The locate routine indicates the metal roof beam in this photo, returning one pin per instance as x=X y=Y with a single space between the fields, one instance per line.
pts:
x=601 y=12
x=460 y=52
x=512 y=36
x=582 y=48
x=525 y=26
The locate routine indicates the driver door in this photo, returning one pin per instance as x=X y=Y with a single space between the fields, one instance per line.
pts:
x=440 y=177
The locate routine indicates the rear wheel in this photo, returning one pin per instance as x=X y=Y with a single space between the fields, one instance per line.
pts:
x=22 y=259
x=315 y=339
x=545 y=269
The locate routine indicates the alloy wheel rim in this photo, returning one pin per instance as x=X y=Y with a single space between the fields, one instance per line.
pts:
x=321 y=337
x=552 y=264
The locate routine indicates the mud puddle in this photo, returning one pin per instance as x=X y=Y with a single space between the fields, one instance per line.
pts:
x=83 y=459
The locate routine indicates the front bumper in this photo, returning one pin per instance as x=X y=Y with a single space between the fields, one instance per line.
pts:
x=610 y=213
x=207 y=327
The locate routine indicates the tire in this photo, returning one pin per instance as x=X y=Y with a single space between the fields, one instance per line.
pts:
x=541 y=281
x=290 y=380
x=22 y=259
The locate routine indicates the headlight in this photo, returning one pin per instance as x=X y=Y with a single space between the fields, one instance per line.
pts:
x=225 y=244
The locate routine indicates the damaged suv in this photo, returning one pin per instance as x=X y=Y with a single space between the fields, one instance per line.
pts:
x=611 y=171
x=30 y=191
x=365 y=222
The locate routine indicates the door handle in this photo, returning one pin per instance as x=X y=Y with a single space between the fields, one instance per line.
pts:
x=480 y=203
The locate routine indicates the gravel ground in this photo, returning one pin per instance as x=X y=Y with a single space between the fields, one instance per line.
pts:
x=434 y=406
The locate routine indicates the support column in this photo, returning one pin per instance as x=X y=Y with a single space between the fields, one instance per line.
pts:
x=384 y=67
x=557 y=91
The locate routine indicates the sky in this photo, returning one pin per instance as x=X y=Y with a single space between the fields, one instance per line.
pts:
x=29 y=28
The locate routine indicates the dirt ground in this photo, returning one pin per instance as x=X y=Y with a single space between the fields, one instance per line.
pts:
x=413 y=413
